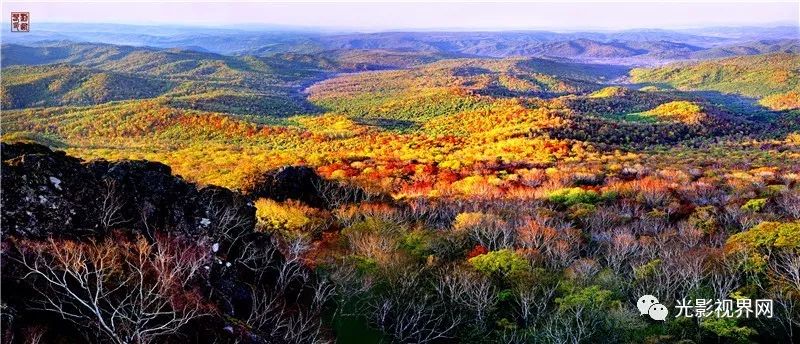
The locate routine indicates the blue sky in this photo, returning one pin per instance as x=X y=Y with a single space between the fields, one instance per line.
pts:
x=360 y=16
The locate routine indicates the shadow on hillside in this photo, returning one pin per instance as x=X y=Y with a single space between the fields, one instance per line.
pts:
x=276 y=104
x=733 y=103
x=468 y=71
x=388 y=124
x=498 y=91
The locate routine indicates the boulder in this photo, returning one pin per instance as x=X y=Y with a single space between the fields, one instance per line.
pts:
x=301 y=183
x=46 y=192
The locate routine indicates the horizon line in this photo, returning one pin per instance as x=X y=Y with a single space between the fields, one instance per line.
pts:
x=255 y=27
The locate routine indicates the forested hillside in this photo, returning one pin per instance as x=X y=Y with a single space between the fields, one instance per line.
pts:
x=82 y=74
x=751 y=76
x=431 y=90
x=63 y=84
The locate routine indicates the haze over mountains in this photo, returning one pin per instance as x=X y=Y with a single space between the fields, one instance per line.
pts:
x=645 y=46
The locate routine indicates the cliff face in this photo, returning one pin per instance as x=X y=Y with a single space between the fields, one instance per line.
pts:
x=49 y=198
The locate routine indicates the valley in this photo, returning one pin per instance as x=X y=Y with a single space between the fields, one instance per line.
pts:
x=414 y=187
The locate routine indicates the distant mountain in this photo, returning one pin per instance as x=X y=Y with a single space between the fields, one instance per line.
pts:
x=656 y=35
x=629 y=47
x=585 y=48
x=746 y=33
x=751 y=48
x=218 y=40
x=578 y=46
x=355 y=60
x=640 y=46
x=360 y=60
x=665 y=50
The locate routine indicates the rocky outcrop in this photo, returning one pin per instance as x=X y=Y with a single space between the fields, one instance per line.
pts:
x=49 y=193
x=299 y=183
x=302 y=183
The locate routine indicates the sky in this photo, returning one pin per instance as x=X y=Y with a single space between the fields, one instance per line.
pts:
x=410 y=15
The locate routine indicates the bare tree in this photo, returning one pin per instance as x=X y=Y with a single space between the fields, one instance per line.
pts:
x=534 y=235
x=133 y=292
x=336 y=194
x=692 y=268
x=573 y=327
x=470 y=290
x=788 y=311
x=373 y=245
x=652 y=194
x=565 y=249
x=418 y=320
x=790 y=203
x=111 y=205
x=225 y=222
x=274 y=312
x=620 y=249
x=532 y=302
x=257 y=258
x=515 y=336
x=602 y=219
x=724 y=277
x=785 y=267
x=271 y=315
x=34 y=334
x=146 y=211
x=703 y=194
x=493 y=236
x=583 y=269
x=349 y=215
x=689 y=235
x=303 y=327
x=662 y=276
x=291 y=268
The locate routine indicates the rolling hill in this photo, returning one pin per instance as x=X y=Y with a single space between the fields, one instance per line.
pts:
x=448 y=86
x=755 y=76
x=175 y=64
x=82 y=74
x=56 y=85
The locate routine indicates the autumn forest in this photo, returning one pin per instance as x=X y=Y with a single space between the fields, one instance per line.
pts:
x=399 y=187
